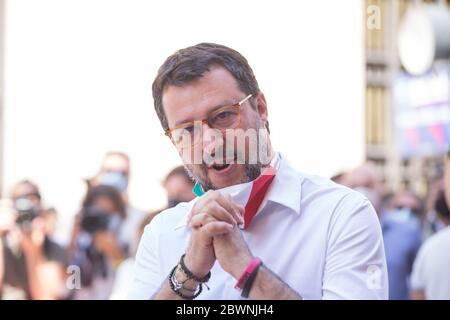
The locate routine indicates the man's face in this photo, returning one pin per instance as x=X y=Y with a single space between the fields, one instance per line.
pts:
x=195 y=101
x=179 y=189
x=116 y=163
x=408 y=201
x=28 y=192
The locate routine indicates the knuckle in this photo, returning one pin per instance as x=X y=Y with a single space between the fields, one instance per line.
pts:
x=208 y=208
x=214 y=195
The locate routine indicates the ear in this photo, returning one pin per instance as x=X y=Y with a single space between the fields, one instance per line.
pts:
x=261 y=107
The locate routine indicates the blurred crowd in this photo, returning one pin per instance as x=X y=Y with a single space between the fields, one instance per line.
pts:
x=415 y=232
x=98 y=262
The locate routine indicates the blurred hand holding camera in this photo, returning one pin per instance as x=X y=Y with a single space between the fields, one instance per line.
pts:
x=32 y=240
x=106 y=242
x=7 y=217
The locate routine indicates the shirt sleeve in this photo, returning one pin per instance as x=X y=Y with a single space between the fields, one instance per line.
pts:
x=417 y=275
x=147 y=275
x=355 y=266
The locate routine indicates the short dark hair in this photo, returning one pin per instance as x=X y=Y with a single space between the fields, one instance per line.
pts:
x=192 y=62
x=120 y=154
x=179 y=171
x=30 y=184
x=95 y=192
x=441 y=206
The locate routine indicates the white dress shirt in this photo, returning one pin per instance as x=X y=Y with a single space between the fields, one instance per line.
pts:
x=431 y=267
x=322 y=239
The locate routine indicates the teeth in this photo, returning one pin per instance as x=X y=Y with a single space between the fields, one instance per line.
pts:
x=220 y=167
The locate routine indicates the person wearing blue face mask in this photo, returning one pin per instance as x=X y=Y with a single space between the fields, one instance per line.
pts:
x=402 y=236
x=115 y=172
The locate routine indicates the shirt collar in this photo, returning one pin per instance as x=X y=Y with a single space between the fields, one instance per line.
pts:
x=285 y=189
x=286 y=186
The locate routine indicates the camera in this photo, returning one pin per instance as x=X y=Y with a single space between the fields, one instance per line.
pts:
x=94 y=219
x=26 y=211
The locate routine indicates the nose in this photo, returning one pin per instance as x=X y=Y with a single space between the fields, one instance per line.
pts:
x=211 y=139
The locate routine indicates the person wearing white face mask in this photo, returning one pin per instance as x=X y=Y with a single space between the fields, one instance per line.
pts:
x=258 y=229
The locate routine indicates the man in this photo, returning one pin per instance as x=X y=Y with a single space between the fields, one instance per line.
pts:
x=178 y=186
x=430 y=277
x=402 y=237
x=258 y=228
x=365 y=179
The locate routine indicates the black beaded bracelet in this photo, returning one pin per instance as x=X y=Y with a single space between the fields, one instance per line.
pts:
x=190 y=275
x=249 y=283
x=176 y=286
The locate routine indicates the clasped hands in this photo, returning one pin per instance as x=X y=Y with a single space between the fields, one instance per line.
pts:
x=214 y=221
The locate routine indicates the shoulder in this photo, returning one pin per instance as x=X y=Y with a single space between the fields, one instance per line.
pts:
x=334 y=195
x=170 y=219
x=317 y=195
x=344 y=213
x=436 y=241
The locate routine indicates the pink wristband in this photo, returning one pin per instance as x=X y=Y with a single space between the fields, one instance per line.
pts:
x=248 y=271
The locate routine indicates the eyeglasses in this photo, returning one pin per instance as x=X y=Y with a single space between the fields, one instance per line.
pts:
x=189 y=133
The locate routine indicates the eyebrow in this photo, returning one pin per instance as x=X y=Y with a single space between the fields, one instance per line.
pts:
x=224 y=104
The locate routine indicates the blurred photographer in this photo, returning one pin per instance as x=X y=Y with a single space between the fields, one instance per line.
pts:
x=98 y=241
x=32 y=266
x=115 y=171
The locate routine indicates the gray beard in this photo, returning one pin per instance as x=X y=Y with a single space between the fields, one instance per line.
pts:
x=252 y=171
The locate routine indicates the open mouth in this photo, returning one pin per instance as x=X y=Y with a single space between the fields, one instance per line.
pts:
x=220 y=167
x=223 y=166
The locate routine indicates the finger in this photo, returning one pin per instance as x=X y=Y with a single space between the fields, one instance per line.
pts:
x=228 y=204
x=195 y=209
x=238 y=212
x=216 y=228
x=204 y=200
x=214 y=196
x=214 y=209
x=221 y=214
x=242 y=212
x=200 y=220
